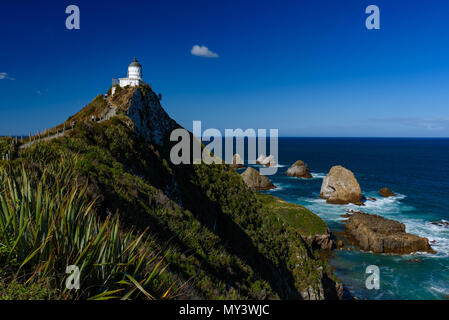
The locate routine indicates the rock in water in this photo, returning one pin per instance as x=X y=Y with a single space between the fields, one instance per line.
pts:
x=266 y=161
x=341 y=187
x=299 y=170
x=380 y=235
x=260 y=158
x=321 y=241
x=256 y=181
x=441 y=223
x=386 y=192
x=237 y=162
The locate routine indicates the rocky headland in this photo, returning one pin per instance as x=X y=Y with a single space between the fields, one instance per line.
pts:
x=206 y=221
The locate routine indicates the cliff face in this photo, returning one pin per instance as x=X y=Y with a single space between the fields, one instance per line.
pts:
x=221 y=239
x=149 y=118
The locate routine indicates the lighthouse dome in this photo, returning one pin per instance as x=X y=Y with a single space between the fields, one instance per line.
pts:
x=135 y=70
x=135 y=63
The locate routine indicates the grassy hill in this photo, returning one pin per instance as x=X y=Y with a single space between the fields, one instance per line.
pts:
x=203 y=234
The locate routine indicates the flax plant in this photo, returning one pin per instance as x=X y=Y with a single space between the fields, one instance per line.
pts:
x=46 y=224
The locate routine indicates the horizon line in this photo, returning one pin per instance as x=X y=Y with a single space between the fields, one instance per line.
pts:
x=303 y=137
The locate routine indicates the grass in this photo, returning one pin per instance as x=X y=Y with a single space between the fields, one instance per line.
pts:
x=46 y=224
x=98 y=108
x=300 y=218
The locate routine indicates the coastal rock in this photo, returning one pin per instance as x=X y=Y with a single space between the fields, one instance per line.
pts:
x=256 y=181
x=379 y=235
x=260 y=158
x=441 y=223
x=386 y=192
x=313 y=293
x=340 y=244
x=266 y=161
x=150 y=120
x=237 y=162
x=321 y=241
x=299 y=170
x=341 y=187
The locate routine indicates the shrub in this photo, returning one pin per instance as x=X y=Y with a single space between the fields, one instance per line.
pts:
x=46 y=225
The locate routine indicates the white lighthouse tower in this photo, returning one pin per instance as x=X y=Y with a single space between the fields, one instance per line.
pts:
x=134 y=77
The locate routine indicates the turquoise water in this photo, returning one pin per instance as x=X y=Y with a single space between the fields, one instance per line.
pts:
x=417 y=170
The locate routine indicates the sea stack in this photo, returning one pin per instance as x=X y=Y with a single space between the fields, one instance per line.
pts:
x=386 y=192
x=256 y=181
x=379 y=235
x=341 y=187
x=299 y=170
x=266 y=161
x=237 y=162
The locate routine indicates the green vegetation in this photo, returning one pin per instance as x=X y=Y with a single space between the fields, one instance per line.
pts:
x=300 y=218
x=5 y=145
x=219 y=239
x=98 y=108
x=46 y=224
x=34 y=291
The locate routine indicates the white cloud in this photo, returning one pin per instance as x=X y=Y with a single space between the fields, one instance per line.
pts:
x=4 y=75
x=203 y=51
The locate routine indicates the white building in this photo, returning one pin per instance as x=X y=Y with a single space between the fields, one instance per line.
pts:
x=134 y=76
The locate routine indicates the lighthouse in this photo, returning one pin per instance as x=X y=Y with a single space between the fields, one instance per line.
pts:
x=134 y=77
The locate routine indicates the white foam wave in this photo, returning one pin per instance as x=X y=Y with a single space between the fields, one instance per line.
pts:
x=279 y=187
x=318 y=175
x=440 y=291
x=390 y=208
x=314 y=176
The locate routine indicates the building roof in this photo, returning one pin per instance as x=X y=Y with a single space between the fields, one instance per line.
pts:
x=135 y=63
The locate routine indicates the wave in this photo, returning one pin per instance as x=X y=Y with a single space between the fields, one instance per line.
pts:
x=441 y=291
x=258 y=165
x=279 y=187
x=318 y=175
x=390 y=208
x=314 y=176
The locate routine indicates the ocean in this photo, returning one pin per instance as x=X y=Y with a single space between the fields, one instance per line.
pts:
x=417 y=170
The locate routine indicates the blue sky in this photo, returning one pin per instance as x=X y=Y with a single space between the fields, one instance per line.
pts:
x=308 y=68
